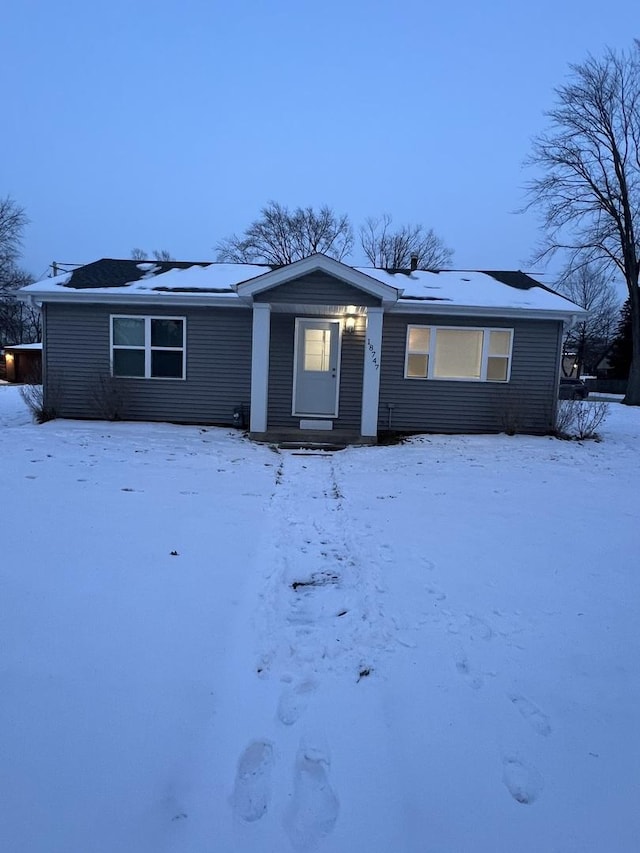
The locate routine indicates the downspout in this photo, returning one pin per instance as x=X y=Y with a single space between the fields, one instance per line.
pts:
x=562 y=327
x=43 y=360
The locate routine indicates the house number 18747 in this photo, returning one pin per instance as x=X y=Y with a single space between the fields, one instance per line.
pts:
x=373 y=354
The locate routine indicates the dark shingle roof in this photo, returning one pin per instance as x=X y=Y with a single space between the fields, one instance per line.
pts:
x=110 y=272
x=517 y=279
x=118 y=273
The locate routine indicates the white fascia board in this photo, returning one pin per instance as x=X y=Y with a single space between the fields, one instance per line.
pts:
x=322 y=263
x=112 y=297
x=486 y=311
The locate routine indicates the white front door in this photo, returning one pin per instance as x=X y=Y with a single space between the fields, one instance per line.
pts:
x=316 y=367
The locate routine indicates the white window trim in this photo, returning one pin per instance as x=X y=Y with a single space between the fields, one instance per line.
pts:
x=148 y=349
x=433 y=333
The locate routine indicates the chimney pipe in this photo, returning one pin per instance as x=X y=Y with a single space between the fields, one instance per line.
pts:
x=414 y=263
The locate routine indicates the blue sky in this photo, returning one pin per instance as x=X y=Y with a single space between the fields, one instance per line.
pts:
x=169 y=124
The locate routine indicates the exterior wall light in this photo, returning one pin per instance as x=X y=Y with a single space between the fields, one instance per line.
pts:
x=350 y=325
x=10 y=366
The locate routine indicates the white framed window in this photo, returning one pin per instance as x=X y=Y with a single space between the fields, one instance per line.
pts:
x=458 y=353
x=148 y=347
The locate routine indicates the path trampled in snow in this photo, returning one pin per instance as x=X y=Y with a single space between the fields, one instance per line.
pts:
x=322 y=603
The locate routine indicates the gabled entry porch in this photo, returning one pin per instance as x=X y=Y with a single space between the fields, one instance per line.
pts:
x=316 y=349
x=323 y=372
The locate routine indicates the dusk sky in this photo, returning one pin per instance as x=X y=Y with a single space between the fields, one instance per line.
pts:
x=168 y=125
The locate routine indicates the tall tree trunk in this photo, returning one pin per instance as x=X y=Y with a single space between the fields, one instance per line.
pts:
x=632 y=397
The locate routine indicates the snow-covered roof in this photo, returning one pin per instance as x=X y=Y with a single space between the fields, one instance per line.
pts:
x=218 y=283
x=108 y=275
x=23 y=346
x=473 y=289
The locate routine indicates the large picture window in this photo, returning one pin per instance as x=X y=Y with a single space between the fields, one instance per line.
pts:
x=148 y=347
x=446 y=352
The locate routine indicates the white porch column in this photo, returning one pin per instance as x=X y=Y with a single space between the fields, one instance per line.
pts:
x=371 y=377
x=260 y=366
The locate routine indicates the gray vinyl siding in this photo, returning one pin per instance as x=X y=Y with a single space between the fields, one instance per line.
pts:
x=526 y=403
x=317 y=288
x=218 y=364
x=281 y=377
x=76 y=354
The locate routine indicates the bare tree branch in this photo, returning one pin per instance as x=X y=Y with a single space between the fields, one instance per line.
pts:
x=13 y=221
x=589 y=187
x=280 y=236
x=393 y=249
x=19 y=323
x=138 y=254
x=588 y=340
x=162 y=255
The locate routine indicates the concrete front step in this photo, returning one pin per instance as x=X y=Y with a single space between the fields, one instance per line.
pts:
x=312 y=439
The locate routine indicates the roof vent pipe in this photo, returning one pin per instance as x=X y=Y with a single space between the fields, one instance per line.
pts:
x=414 y=263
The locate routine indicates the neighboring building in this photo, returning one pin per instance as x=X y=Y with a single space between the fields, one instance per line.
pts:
x=23 y=363
x=316 y=345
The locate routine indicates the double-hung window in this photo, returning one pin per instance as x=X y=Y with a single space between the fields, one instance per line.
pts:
x=148 y=347
x=447 y=352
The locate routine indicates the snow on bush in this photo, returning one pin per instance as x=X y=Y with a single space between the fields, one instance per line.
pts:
x=580 y=419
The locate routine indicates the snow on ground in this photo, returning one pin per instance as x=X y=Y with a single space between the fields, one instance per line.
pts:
x=206 y=645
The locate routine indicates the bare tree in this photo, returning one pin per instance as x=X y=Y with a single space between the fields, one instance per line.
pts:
x=19 y=323
x=589 y=286
x=162 y=255
x=393 y=249
x=280 y=236
x=138 y=254
x=13 y=220
x=589 y=192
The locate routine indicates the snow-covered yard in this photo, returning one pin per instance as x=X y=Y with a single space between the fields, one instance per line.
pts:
x=206 y=645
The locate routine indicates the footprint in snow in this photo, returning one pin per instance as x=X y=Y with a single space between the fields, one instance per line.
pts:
x=252 y=789
x=536 y=718
x=464 y=668
x=478 y=628
x=294 y=701
x=436 y=593
x=314 y=808
x=522 y=780
x=474 y=627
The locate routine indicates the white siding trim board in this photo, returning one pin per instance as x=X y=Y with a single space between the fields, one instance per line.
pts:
x=260 y=366
x=371 y=375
